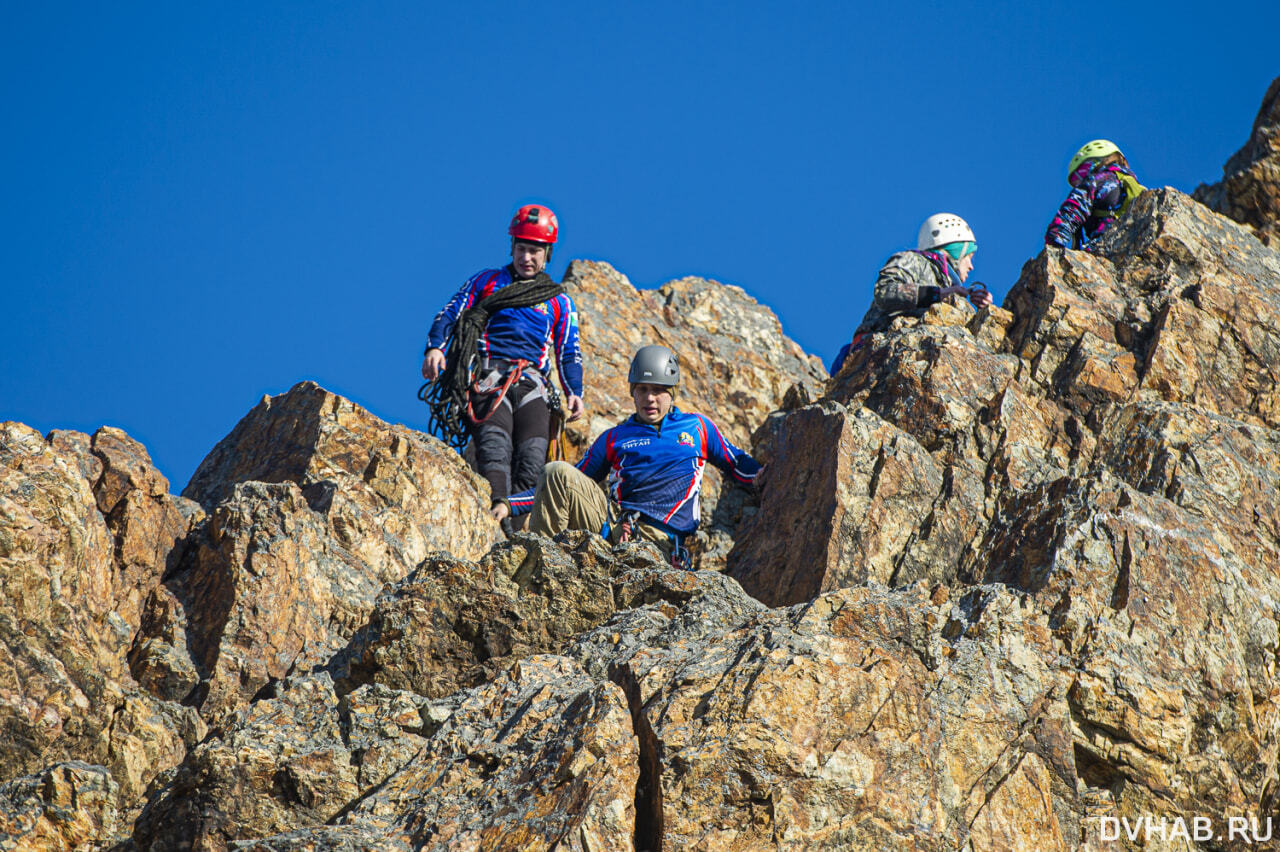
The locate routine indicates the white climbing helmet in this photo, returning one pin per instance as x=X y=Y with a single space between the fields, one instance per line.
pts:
x=942 y=228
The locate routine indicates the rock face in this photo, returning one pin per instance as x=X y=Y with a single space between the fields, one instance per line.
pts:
x=388 y=494
x=67 y=806
x=1249 y=191
x=695 y=718
x=1122 y=360
x=1013 y=579
x=452 y=624
x=133 y=619
x=85 y=528
x=1108 y=449
x=405 y=747
x=315 y=504
x=854 y=722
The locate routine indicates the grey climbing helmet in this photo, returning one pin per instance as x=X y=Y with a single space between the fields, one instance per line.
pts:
x=654 y=365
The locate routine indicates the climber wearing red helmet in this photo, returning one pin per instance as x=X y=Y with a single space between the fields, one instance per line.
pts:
x=501 y=330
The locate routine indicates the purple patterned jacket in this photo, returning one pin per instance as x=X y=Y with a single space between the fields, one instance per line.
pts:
x=1096 y=197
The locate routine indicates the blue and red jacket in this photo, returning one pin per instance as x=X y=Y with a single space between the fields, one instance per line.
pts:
x=529 y=334
x=1097 y=196
x=656 y=469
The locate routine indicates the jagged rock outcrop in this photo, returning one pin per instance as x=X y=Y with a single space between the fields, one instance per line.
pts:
x=1021 y=570
x=66 y=806
x=315 y=505
x=1173 y=639
x=1110 y=454
x=1170 y=330
x=263 y=591
x=869 y=717
x=388 y=494
x=559 y=772
x=453 y=624
x=280 y=763
x=124 y=603
x=736 y=364
x=866 y=719
x=1249 y=191
x=443 y=706
x=85 y=528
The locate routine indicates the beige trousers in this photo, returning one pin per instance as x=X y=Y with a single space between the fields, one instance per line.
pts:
x=568 y=499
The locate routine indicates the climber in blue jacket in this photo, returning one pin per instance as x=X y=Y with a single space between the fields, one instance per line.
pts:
x=505 y=411
x=651 y=463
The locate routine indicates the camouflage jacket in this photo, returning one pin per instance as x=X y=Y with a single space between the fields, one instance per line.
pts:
x=907 y=285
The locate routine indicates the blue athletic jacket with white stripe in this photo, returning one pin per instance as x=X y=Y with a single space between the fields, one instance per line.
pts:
x=527 y=334
x=656 y=469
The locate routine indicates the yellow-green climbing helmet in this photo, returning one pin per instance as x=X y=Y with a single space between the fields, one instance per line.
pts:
x=1091 y=151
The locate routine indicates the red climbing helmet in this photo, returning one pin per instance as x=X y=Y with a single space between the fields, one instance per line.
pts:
x=535 y=223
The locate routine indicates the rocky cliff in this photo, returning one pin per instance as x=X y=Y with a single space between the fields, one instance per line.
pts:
x=1249 y=191
x=1009 y=579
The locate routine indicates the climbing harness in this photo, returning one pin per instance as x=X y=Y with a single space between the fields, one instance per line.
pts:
x=449 y=396
x=488 y=386
x=680 y=558
x=629 y=524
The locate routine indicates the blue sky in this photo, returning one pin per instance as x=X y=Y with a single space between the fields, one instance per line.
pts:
x=207 y=203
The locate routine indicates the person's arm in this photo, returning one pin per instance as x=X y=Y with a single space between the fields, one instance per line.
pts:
x=569 y=355
x=1065 y=229
x=740 y=466
x=442 y=327
x=515 y=504
x=840 y=358
x=1069 y=219
x=902 y=284
x=599 y=458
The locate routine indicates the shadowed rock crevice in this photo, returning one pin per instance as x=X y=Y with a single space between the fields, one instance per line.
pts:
x=648 y=804
x=1120 y=594
x=1096 y=772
